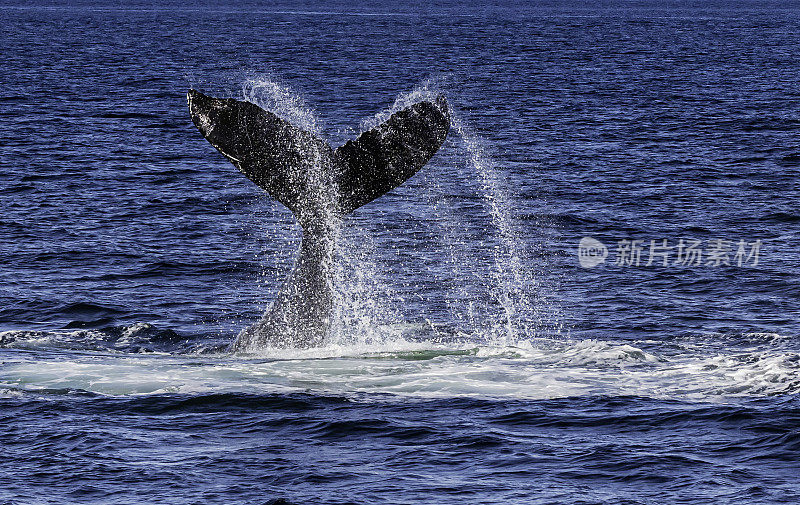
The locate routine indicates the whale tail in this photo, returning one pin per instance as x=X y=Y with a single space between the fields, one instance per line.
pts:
x=295 y=166
x=317 y=183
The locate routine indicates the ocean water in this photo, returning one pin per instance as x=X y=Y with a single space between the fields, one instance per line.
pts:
x=475 y=357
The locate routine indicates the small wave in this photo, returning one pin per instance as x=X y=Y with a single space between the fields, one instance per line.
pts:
x=14 y=98
x=781 y=217
x=747 y=160
x=17 y=188
x=83 y=308
x=121 y=114
x=133 y=339
x=791 y=159
x=87 y=315
x=599 y=353
x=561 y=220
x=76 y=340
x=11 y=393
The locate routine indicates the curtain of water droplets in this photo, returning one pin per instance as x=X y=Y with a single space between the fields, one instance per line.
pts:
x=480 y=260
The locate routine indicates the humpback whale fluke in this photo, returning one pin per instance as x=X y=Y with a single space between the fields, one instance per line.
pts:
x=320 y=185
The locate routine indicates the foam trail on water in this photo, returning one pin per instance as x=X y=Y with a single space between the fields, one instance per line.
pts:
x=761 y=367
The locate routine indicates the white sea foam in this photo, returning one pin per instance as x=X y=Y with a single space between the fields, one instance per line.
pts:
x=414 y=369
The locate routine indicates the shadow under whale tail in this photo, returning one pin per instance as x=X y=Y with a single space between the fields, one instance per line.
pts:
x=319 y=185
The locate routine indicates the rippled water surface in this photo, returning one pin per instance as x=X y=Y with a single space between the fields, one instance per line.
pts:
x=472 y=358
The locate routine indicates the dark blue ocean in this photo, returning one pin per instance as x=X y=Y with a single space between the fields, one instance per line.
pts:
x=475 y=355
